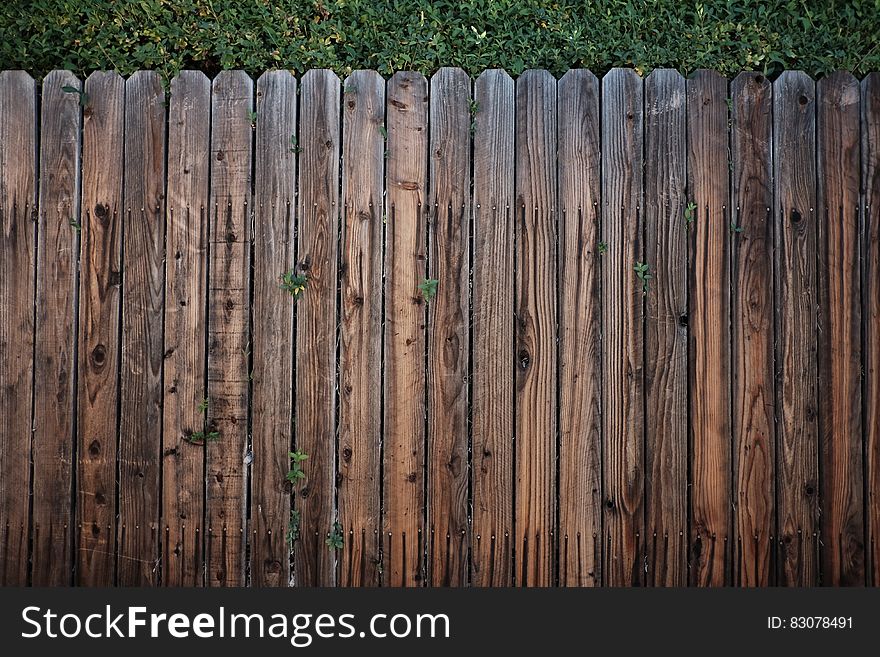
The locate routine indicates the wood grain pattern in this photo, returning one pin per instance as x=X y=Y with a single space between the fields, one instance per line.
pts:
x=229 y=341
x=272 y=401
x=317 y=249
x=752 y=337
x=797 y=471
x=360 y=357
x=840 y=404
x=18 y=133
x=492 y=330
x=404 y=384
x=142 y=349
x=186 y=268
x=448 y=327
x=709 y=184
x=99 y=330
x=580 y=340
x=871 y=313
x=666 y=337
x=55 y=339
x=623 y=298
x=535 y=331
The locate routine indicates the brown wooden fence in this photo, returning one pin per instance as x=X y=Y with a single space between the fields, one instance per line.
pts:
x=653 y=357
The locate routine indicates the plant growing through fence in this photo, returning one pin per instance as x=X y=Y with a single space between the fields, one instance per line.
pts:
x=202 y=437
x=644 y=275
x=603 y=247
x=75 y=225
x=690 y=214
x=428 y=288
x=294 y=145
x=252 y=115
x=296 y=472
x=474 y=107
x=734 y=228
x=294 y=284
x=83 y=96
x=334 y=538
x=293 y=527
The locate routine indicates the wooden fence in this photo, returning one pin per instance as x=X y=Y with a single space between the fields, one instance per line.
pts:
x=653 y=357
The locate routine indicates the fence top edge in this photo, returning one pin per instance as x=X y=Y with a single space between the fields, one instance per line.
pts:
x=615 y=71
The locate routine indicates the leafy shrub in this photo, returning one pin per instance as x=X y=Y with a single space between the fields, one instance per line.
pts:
x=817 y=36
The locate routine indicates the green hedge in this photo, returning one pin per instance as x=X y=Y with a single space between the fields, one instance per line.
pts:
x=817 y=36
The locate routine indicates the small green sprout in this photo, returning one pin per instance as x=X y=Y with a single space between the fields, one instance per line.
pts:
x=203 y=405
x=293 y=528
x=75 y=225
x=83 y=96
x=202 y=437
x=603 y=247
x=428 y=288
x=643 y=273
x=294 y=284
x=294 y=145
x=384 y=132
x=296 y=472
x=734 y=228
x=334 y=538
x=690 y=214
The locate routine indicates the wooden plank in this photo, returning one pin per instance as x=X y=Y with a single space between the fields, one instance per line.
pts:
x=55 y=335
x=666 y=320
x=18 y=157
x=840 y=404
x=535 y=338
x=580 y=354
x=448 y=321
x=99 y=317
x=492 y=330
x=186 y=267
x=871 y=310
x=143 y=292
x=623 y=298
x=797 y=471
x=752 y=337
x=709 y=184
x=404 y=384
x=272 y=401
x=360 y=357
x=317 y=254
x=229 y=344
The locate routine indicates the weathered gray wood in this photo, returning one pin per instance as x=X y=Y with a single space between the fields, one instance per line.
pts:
x=360 y=356
x=18 y=158
x=142 y=349
x=623 y=298
x=317 y=252
x=404 y=384
x=186 y=293
x=752 y=337
x=448 y=322
x=840 y=367
x=58 y=239
x=272 y=400
x=229 y=340
x=709 y=318
x=492 y=330
x=535 y=334
x=580 y=340
x=797 y=470
x=666 y=339
x=99 y=316
x=871 y=313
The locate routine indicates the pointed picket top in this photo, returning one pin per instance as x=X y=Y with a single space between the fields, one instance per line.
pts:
x=840 y=90
x=189 y=79
x=325 y=73
x=232 y=87
x=449 y=76
x=578 y=76
x=274 y=76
